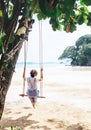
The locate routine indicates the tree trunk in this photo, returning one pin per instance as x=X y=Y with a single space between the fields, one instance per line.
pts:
x=8 y=62
x=6 y=77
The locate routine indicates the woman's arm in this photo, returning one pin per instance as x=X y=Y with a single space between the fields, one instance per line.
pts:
x=41 y=74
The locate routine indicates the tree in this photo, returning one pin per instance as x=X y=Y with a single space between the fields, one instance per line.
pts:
x=16 y=22
x=69 y=52
x=84 y=55
x=80 y=53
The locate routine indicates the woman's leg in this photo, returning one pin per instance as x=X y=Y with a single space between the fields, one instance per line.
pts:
x=33 y=101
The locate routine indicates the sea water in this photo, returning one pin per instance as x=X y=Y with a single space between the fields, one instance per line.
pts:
x=51 y=66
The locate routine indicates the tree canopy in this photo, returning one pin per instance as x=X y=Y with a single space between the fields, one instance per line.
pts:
x=62 y=15
x=80 y=53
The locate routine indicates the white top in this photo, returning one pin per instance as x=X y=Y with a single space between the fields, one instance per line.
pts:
x=32 y=83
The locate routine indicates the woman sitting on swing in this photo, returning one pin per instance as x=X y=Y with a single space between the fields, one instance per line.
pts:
x=32 y=89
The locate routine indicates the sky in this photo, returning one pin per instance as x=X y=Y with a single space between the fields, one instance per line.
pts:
x=54 y=42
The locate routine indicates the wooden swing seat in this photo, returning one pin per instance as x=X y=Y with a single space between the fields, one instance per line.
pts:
x=23 y=95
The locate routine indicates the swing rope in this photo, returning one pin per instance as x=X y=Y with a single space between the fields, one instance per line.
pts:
x=24 y=70
x=41 y=57
x=40 y=62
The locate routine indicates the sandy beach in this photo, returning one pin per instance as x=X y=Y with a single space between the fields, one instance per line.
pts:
x=67 y=105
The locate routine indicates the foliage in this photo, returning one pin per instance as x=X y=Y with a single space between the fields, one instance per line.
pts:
x=69 y=52
x=12 y=128
x=80 y=53
x=66 y=14
x=62 y=14
x=17 y=128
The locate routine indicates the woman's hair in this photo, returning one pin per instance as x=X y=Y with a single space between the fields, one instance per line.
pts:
x=33 y=73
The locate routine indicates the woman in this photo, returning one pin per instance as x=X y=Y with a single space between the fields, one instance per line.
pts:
x=32 y=88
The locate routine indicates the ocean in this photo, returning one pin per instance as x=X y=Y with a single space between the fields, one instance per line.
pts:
x=51 y=66
x=34 y=65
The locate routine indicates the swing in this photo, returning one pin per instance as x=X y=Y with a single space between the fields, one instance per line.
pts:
x=40 y=63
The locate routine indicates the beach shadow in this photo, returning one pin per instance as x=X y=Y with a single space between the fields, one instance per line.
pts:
x=58 y=124
x=77 y=126
x=26 y=122
x=22 y=122
x=26 y=107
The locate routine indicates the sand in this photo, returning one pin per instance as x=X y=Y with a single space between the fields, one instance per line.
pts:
x=67 y=105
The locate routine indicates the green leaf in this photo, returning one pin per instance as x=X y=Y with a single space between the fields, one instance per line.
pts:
x=48 y=7
x=11 y=127
x=2 y=37
x=80 y=19
x=26 y=10
x=11 y=39
x=69 y=4
x=89 y=19
x=18 y=128
x=40 y=15
x=1 y=13
x=87 y=2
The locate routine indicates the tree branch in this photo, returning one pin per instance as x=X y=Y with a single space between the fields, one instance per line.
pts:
x=13 y=22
